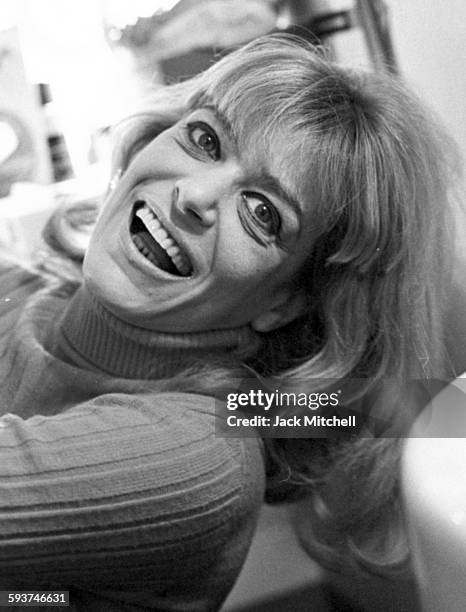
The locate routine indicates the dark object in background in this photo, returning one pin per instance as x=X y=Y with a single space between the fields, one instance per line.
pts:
x=18 y=162
x=325 y=20
x=59 y=156
x=187 y=39
x=184 y=66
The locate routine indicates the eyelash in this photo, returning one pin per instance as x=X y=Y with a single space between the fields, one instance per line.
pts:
x=247 y=216
x=207 y=130
x=273 y=227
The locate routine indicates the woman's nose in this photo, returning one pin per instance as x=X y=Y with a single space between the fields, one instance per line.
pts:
x=198 y=198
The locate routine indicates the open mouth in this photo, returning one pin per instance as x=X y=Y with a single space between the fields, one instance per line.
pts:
x=154 y=242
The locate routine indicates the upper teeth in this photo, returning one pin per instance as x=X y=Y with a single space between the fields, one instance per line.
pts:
x=160 y=234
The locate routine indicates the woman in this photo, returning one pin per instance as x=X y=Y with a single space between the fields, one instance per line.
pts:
x=276 y=215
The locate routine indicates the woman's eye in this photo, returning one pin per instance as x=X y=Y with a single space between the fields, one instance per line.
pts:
x=263 y=213
x=203 y=137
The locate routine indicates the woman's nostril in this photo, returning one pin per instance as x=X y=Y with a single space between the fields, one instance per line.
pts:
x=195 y=213
x=193 y=205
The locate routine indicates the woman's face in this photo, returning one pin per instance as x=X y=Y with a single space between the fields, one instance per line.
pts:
x=198 y=235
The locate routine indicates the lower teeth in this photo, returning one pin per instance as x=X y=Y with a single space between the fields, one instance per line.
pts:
x=142 y=249
x=139 y=228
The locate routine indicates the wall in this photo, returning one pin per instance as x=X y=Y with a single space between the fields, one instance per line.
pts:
x=430 y=40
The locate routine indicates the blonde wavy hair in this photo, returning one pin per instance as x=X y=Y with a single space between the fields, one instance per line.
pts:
x=379 y=173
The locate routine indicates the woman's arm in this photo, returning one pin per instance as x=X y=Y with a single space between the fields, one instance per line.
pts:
x=129 y=493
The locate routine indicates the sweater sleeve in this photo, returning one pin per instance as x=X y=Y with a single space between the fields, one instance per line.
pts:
x=128 y=493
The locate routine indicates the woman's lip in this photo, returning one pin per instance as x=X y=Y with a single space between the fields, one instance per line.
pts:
x=137 y=258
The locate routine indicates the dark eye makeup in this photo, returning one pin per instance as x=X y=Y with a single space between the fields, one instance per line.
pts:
x=204 y=139
x=262 y=213
x=258 y=215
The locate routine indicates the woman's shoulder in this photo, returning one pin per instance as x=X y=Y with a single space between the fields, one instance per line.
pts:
x=187 y=427
x=152 y=466
x=163 y=431
x=203 y=416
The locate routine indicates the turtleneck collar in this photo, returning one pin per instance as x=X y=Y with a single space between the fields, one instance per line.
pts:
x=93 y=338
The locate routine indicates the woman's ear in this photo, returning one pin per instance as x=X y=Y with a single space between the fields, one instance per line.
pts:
x=287 y=308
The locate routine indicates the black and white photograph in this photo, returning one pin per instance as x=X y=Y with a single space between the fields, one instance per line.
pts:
x=233 y=305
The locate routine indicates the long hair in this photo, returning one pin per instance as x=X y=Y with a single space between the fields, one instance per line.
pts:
x=376 y=169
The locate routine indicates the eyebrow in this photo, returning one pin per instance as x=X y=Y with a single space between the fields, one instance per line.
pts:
x=264 y=179
x=204 y=101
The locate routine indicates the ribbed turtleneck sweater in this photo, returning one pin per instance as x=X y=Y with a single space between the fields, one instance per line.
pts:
x=111 y=489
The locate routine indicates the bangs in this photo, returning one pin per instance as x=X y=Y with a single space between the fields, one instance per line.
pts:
x=262 y=104
x=267 y=91
x=256 y=108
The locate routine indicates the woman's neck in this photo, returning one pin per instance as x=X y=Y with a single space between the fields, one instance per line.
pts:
x=93 y=338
